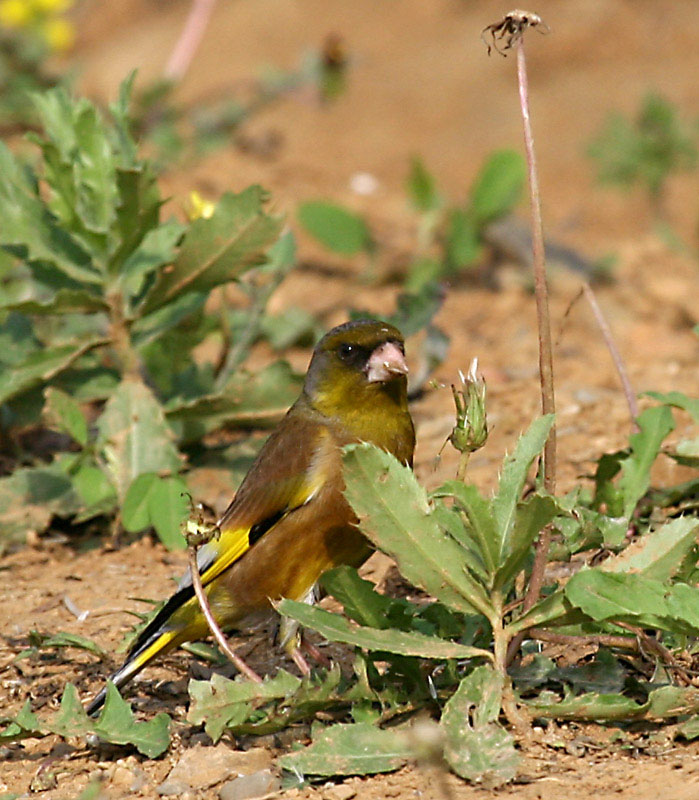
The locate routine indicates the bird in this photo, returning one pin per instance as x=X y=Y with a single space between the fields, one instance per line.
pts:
x=289 y=520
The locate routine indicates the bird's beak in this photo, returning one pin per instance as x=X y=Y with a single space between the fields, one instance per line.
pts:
x=385 y=363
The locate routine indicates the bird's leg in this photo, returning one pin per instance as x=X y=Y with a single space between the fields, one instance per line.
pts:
x=293 y=641
x=318 y=656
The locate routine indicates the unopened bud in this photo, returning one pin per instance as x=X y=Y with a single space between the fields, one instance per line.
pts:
x=471 y=430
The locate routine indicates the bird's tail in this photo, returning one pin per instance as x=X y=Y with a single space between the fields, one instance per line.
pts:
x=161 y=634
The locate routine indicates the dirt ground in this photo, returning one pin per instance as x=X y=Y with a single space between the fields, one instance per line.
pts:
x=420 y=83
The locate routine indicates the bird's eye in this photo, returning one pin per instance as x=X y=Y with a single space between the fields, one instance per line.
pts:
x=346 y=351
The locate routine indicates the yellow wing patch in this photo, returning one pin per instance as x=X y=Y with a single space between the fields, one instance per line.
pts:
x=231 y=546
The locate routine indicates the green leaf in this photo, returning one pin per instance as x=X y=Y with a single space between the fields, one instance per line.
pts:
x=498 y=186
x=30 y=231
x=220 y=702
x=482 y=525
x=71 y=719
x=464 y=243
x=395 y=515
x=624 y=597
x=477 y=747
x=532 y=517
x=338 y=629
x=658 y=554
x=416 y=310
x=134 y=437
x=678 y=400
x=64 y=412
x=65 y=639
x=168 y=507
x=655 y=425
x=218 y=249
x=43 y=366
x=514 y=474
x=359 y=749
x=554 y=608
x=422 y=188
x=335 y=227
x=135 y=514
x=588 y=706
x=361 y=601
x=156 y=250
x=64 y=301
x=116 y=725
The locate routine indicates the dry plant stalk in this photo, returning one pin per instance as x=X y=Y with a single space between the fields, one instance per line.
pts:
x=217 y=633
x=614 y=353
x=190 y=39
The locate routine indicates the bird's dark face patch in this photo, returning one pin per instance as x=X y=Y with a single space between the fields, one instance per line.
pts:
x=356 y=356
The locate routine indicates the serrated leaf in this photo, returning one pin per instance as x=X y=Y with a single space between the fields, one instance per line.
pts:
x=71 y=719
x=338 y=629
x=514 y=474
x=218 y=249
x=532 y=517
x=415 y=310
x=359 y=749
x=116 y=725
x=477 y=747
x=221 y=701
x=43 y=366
x=64 y=412
x=498 y=186
x=65 y=301
x=335 y=227
x=678 y=400
x=31 y=231
x=609 y=596
x=134 y=437
x=657 y=554
x=395 y=515
x=655 y=424
x=482 y=527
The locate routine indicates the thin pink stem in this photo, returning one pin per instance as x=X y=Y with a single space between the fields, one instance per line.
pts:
x=614 y=352
x=190 y=38
x=221 y=640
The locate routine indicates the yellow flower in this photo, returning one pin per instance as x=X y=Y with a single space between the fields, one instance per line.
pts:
x=59 y=34
x=15 y=13
x=198 y=207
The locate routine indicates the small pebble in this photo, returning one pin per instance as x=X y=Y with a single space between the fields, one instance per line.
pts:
x=250 y=787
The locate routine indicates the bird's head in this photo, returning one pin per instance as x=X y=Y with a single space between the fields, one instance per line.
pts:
x=355 y=362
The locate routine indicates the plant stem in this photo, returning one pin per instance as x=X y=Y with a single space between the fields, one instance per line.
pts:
x=544 y=325
x=190 y=38
x=221 y=640
x=614 y=352
x=519 y=720
x=120 y=337
x=463 y=465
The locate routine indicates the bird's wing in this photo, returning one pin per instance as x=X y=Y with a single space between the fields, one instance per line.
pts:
x=287 y=473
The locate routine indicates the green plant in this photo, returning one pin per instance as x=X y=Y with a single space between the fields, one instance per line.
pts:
x=102 y=305
x=647 y=150
x=449 y=237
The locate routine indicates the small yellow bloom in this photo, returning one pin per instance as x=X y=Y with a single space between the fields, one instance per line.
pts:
x=15 y=13
x=59 y=34
x=198 y=207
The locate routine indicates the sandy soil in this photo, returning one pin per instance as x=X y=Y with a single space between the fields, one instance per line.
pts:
x=420 y=83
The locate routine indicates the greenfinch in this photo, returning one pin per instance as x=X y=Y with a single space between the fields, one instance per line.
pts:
x=289 y=521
